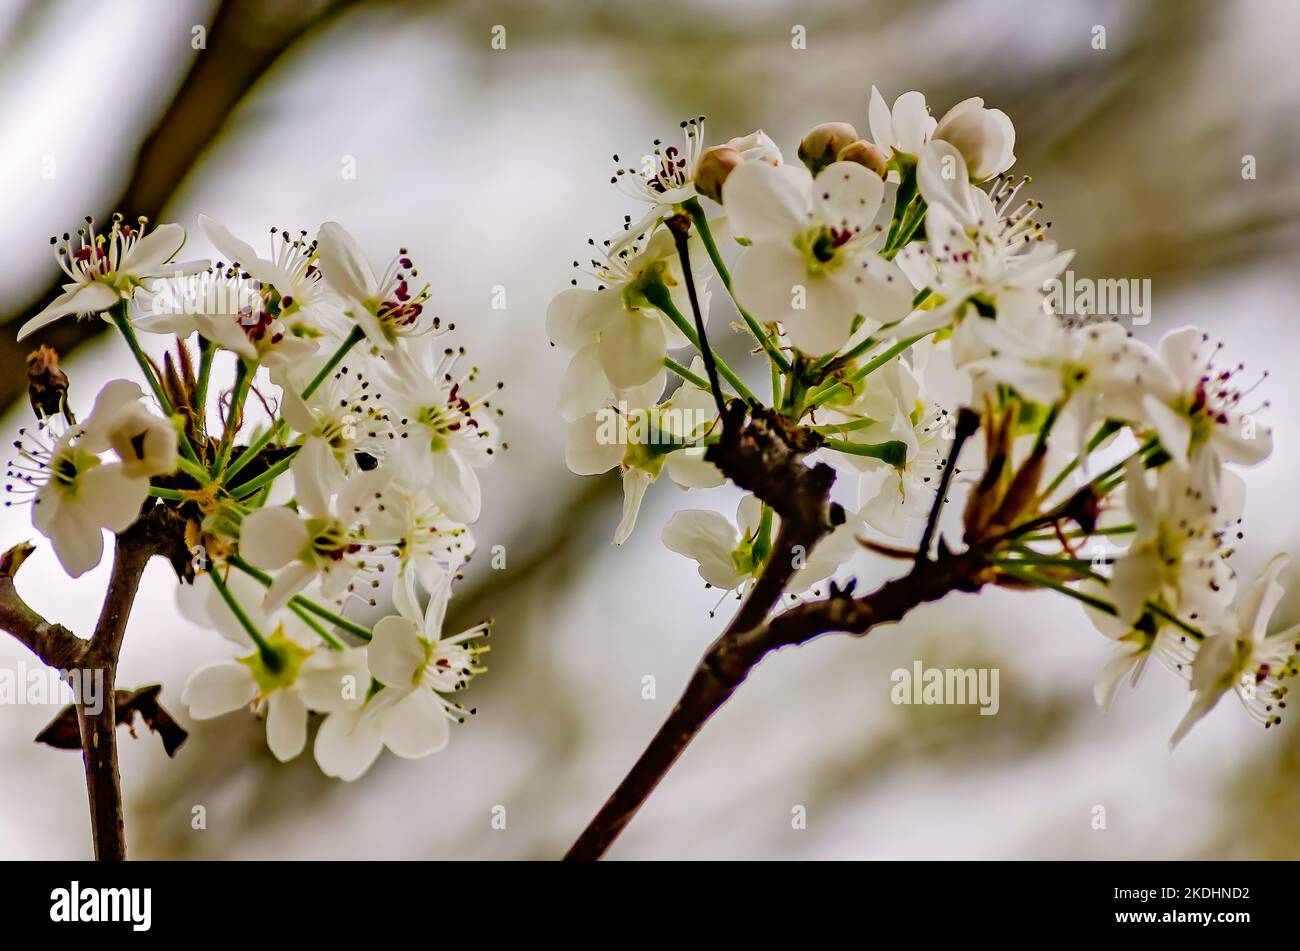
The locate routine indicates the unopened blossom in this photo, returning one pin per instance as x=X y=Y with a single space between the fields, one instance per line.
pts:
x=810 y=265
x=417 y=667
x=1240 y=655
x=1198 y=412
x=106 y=268
x=904 y=128
x=385 y=307
x=718 y=161
x=985 y=137
x=325 y=539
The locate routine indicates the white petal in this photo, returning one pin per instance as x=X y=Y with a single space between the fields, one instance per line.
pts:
x=591 y=444
x=316 y=477
x=416 y=726
x=913 y=123
x=78 y=541
x=347 y=744
x=112 y=498
x=343 y=264
x=584 y=388
x=395 y=654
x=218 y=688
x=632 y=347
x=943 y=180
x=272 y=537
x=455 y=486
x=765 y=202
x=334 y=680
x=769 y=279
x=635 y=483
x=286 y=724
x=155 y=249
x=83 y=299
x=574 y=316
x=286 y=584
x=848 y=196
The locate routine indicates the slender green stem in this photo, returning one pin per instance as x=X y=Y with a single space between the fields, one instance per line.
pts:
x=693 y=208
x=305 y=604
x=893 y=452
x=171 y=495
x=206 y=353
x=908 y=224
x=823 y=393
x=853 y=425
x=686 y=374
x=1174 y=619
x=1080 y=566
x=241 y=615
x=265 y=479
x=1055 y=585
x=122 y=321
x=194 y=470
x=1104 y=431
x=261 y=442
x=1080 y=533
x=234 y=416
x=665 y=305
x=325 y=635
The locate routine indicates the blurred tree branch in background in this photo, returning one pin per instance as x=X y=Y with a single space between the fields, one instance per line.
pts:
x=244 y=40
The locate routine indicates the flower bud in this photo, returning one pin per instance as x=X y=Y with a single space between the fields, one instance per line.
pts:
x=715 y=165
x=985 y=137
x=822 y=145
x=865 y=154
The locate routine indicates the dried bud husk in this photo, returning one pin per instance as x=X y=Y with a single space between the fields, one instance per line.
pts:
x=47 y=384
x=1023 y=489
x=866 y=154
x=822 y=145
x=717 y=162
x=986 y=499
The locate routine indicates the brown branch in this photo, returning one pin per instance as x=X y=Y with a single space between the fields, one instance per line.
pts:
x=159 y=530
x=765 y=457
x=54 y=644
x=99 y=729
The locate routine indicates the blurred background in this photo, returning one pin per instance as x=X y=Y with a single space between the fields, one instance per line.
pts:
x=492 y=166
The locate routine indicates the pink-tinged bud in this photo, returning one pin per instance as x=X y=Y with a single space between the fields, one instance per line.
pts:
x=867 y=155
x=716 y=163
x=822 y=145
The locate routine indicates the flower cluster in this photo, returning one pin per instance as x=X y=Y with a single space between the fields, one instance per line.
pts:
x=894 y=285
x=344 y=451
